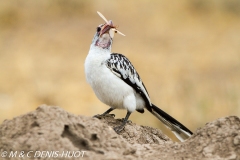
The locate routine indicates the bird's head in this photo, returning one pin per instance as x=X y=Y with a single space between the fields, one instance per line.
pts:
x=105 y=33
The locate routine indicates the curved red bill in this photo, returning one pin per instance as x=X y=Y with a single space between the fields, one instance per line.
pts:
x=107 y=26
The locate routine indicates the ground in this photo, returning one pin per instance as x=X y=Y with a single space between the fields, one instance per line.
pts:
x=51 y=131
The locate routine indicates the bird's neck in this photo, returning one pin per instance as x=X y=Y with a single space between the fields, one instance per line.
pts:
x=98 y=49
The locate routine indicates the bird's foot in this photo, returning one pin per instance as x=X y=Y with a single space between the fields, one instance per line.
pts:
x=118 y=129
x=99 y=116
x=112 y=115
x=128 y=121
x=125 y=120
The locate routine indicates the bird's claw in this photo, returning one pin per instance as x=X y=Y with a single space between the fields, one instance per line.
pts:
x=99 y=116
x=112 y=115
x=118 y=129
x=128 y=121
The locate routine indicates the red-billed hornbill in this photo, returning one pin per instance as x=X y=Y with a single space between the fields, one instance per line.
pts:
x=116 y=82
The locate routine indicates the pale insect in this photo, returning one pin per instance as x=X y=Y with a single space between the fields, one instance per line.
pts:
x=112 y=29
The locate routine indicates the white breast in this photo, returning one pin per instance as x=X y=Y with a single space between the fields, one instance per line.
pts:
x=109 y=88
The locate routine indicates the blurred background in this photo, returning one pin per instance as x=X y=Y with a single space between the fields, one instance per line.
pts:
x=186 y=52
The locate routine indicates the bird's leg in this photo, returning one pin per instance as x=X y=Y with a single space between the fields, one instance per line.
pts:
x=118 y=129
x=107 y=112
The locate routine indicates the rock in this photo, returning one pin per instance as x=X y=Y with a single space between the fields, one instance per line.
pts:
x=52 y=133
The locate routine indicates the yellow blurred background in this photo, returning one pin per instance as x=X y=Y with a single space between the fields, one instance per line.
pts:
x=186 y=52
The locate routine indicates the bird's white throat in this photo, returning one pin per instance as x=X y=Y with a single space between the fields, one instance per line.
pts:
x=104 y=41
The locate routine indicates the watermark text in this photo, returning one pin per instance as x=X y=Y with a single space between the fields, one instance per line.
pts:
x=42 y=154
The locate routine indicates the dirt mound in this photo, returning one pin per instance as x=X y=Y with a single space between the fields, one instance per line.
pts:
x=52 y=133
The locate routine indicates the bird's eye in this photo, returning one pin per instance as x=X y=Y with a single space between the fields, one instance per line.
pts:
x=98 y=29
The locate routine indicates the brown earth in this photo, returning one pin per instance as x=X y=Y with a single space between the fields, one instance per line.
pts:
x=186 y=52
x=51 y=128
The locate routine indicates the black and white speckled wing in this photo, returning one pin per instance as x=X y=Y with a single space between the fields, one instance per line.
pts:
x=122 y=67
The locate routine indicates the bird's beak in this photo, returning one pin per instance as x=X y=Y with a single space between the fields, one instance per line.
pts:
x=108 y=27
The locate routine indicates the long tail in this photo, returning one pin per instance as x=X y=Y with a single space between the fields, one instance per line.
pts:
x=180 y=131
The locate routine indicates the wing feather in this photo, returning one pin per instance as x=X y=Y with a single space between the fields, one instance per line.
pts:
x=123 y=68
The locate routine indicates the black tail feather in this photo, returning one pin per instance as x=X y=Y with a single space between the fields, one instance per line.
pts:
x=177 y=128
